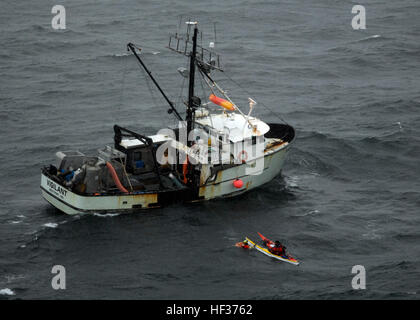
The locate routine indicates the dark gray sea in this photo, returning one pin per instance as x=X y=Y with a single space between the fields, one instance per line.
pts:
x=348 y=195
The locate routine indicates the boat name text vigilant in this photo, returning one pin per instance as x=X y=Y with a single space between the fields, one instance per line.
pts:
x=56 y=188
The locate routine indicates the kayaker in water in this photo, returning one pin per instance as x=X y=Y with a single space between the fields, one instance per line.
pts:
x=277 y=248
x=244 y=244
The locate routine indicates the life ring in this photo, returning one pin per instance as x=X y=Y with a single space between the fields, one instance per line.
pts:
x=185 y=170
x=243 y=156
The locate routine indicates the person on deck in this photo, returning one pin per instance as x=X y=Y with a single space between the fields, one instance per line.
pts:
x=276 y=248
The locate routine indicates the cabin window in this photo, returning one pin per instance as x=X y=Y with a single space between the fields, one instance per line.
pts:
x=137 y=156
x=254 y=140
x=137 y=159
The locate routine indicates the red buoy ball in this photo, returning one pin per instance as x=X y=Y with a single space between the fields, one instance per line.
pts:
x=238 y=183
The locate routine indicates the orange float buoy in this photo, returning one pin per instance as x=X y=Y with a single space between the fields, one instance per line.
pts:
x=222 y=102
x=238 y=183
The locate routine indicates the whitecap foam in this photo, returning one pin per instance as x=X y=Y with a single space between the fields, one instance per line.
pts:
x=308 y=213
x=13 y=277
x=371 y=37
x=106 y=215
x=6 y=292
x=311 y=212
x=50 y=225
x=122 y=54
x=292 y=181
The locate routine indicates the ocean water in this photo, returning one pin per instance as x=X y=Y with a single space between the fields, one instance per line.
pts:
x=349 y=193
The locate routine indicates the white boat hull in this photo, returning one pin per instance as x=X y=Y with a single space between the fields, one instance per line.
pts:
x=72 y=203
x=223 y=184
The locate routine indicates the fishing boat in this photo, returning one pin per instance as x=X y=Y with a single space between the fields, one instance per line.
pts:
x=211 y=153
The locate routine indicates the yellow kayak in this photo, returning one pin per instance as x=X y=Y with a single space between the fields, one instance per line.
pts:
x=268 y=253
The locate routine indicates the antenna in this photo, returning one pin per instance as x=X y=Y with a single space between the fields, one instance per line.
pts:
x=214 y=27
x=179 y=25
x=207 y=60
x=252 y=103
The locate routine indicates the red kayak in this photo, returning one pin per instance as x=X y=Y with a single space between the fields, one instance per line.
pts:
x=248 y=243
x=268 y=243
x=266 y=240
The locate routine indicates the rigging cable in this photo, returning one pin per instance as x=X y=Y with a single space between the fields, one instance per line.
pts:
x=261 y=103
x=224 y=93
x=149 y=86
x=201 y=83
x=180 y=100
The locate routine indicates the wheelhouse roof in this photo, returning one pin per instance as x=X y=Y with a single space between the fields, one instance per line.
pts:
x=236 y=125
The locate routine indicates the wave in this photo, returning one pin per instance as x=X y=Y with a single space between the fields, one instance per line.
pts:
x=120 y=55
x=36 y=29
x=57 y=93
x=50 y=225
x=102 y=24
x=106 y=215
x=5 y=56
x=409 y=237
x=345 y=47
x=346 y=158
x=45 y=46
x=115 y=56
x=397 y=106
x=375 y=36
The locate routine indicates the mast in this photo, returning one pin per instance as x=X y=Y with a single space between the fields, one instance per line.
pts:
x=206 y=60
x=191 y=107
